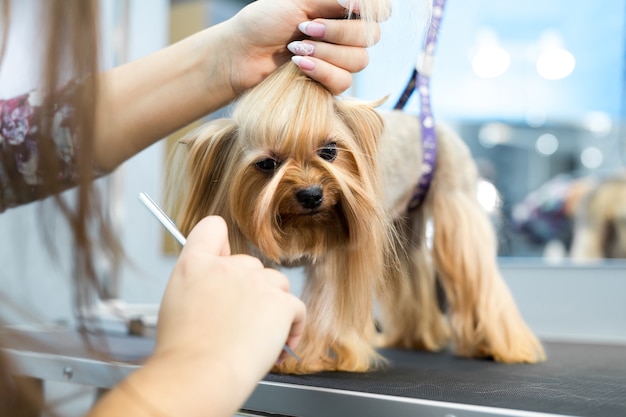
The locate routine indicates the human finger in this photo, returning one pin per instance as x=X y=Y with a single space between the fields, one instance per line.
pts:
x=352 y=59
x=336 y=79
x=326 y=8
x=255 y=267
x=247 y=261
x=277 y=279
x=378 y=10
x=297 y=327
x=375 y=10
x=342 y=32
x=211 y=234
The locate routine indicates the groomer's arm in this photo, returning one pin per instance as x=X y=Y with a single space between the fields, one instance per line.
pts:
x=143 y=101
x=222 y=324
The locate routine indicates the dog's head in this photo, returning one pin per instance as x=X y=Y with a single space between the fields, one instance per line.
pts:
x=293 y=172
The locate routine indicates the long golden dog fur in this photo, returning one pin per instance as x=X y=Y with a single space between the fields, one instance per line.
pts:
x=304 y=178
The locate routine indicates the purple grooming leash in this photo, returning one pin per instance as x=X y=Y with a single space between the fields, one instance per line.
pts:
x=421 y=79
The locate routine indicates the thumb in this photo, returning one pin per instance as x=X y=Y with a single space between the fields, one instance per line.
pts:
x=211 y=233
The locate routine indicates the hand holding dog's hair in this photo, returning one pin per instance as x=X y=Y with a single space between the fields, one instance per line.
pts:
x=222 y=324
x=334 y=46
x=164 y=91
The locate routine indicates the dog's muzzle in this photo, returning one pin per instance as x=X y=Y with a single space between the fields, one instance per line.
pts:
x=310 y=198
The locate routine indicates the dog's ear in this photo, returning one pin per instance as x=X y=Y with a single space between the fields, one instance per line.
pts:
x=363 y=120
x=197 y=183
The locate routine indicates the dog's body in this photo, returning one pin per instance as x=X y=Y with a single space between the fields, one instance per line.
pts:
x=482 y=317
x=306 y=179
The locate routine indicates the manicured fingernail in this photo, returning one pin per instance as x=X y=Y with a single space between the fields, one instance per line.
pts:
x=343 y=3
x=301 y=48
x=314 y=29
x=303 y=63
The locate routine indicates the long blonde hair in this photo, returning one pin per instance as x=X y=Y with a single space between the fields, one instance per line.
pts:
x=71 y=43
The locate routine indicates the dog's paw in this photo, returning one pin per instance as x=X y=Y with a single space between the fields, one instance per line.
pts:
x=304 y=366
x=518 y=354
x=513 y=344
x=430 y=342
x=433 y=337
x=338 y=358
x=524 y=349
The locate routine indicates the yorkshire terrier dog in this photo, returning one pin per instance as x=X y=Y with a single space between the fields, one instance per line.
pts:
x=600 y=221
x=304 y=178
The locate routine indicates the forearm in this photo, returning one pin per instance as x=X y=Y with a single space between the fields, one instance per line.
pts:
x=166 y=388
x=143 y=101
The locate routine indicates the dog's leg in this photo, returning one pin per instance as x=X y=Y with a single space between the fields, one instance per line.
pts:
x=412 y=318
x=485 y=321
x=340 y=325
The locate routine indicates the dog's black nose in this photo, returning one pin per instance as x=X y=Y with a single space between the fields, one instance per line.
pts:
x=311 y=197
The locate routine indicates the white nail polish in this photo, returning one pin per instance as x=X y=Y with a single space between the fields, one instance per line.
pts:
x=313 y=29
x=343 y=3
x=303 y=63
x=302 y=27
x=301 y=48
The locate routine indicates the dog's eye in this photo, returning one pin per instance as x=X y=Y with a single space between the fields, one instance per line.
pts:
x=267 y=165
x=328 y=152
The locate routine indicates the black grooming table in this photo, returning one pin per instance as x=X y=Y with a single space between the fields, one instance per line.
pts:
x=577 y=380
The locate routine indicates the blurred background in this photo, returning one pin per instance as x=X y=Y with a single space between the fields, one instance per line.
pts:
x=535 y=88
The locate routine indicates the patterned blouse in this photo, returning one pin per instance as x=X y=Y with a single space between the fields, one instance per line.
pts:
x=21 y=140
